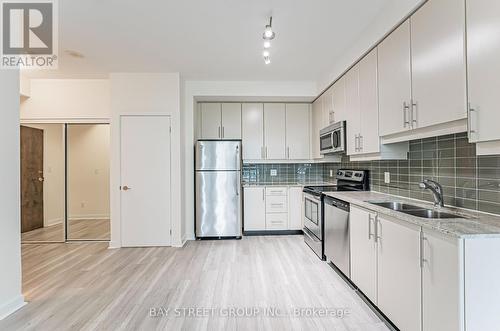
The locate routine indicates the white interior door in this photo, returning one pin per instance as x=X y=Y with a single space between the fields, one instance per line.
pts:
x=145 y=181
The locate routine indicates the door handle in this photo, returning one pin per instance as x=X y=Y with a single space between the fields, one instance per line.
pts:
x=126 y=188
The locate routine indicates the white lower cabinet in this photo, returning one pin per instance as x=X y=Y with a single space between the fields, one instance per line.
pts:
x=272 y=208
x=399 y=268
x=254 y=204
x=414 y=276
x=441 y=283
x=363 y=252
x=295 y=211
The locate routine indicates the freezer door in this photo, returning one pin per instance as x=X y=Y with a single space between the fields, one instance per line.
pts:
x=218 y=204
x=218 y=155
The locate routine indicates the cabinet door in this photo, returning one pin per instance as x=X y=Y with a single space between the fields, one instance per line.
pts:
x=338 y=101
x=252 y=131
x=394 y=81
x=295 y=213
x=211 y=121
x=297 y=131
x=231 y=120
x=352 y=105
x=254 y=208
x=368 y=104
x=399 y=277
x=441 y=283
x=328 y=115
x=275 y=131
x=438 y=63
x=363 y=252
x=483 y=53
x=317 y=116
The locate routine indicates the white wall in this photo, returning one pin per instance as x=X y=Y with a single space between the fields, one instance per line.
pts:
x=88 y=171
x=53 y=172
x=389 y=18
x=136 y=93
x=241 y=90
x=11 y=298
x=67 y=99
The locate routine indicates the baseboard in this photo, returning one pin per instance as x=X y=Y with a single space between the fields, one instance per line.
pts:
x=114 y=245
x=11 y=307
x=88 y=217
x=54 y=221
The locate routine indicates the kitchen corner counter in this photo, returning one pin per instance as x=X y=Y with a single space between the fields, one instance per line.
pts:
x=468 y=224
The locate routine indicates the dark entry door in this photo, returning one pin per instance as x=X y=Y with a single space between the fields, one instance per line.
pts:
x=31 y=179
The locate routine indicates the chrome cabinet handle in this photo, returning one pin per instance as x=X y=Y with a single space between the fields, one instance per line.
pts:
x=470 y=111
x=263 y=194
x=369 y=226
x=377 y=237
x=406 y=108
x=422 y=252
x=361 y=142
x=414 y=113
x=356 y=142
x=218 y=132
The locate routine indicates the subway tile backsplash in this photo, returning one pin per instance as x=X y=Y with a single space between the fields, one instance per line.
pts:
x=469 y=181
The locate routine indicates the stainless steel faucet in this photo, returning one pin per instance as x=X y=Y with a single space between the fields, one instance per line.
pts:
x=436 y=189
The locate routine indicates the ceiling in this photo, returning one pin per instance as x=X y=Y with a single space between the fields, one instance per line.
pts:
x=209 y=39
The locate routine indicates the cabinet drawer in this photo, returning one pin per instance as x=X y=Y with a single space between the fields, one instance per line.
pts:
x=276 y=221
x=276 y=204
x=270 y=191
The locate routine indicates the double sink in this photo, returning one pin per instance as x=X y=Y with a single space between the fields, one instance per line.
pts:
x=415 y=210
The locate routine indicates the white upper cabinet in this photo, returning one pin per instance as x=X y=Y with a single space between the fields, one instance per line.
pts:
x=297 y=131
x=338 y=101
x=369 y=141
x=252 y=130
x=275 y=131
x=394 y=81
x=438 y=63
x=317 y=122
x=211 y=121
x=483 y=54
x=328 y=113
x=231 y=121
x=353 y=111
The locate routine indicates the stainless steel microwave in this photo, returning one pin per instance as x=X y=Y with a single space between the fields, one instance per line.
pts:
x=332 y=139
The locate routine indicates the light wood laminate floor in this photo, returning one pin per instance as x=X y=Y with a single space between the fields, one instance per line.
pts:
x=89 y=287
x=98 y=229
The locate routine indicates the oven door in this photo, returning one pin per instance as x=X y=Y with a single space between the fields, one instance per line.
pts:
x=312 y=215
x=326 y=143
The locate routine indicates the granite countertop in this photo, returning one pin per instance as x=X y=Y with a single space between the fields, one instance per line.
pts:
x=250 y=184
x=468 y=224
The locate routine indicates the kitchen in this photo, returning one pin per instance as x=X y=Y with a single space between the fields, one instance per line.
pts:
x=370 y=192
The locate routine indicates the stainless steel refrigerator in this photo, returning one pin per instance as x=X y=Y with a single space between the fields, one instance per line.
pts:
x=218 y=188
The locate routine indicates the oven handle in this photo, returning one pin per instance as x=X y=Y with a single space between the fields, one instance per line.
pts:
x=311 y=235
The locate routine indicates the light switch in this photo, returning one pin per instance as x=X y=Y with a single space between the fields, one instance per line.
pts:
x=274 y=172
x=387 y=177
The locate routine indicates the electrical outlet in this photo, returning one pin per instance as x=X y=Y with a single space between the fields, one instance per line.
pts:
x=387 y=177
x=274 y=172
x=331 y=173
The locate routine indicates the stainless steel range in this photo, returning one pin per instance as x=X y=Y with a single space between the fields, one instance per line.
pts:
x=314 y=209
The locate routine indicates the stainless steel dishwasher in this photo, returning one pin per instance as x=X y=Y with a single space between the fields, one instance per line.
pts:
x=337 y=250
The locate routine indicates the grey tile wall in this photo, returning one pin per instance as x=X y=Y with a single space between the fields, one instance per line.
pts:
x=469 y=181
